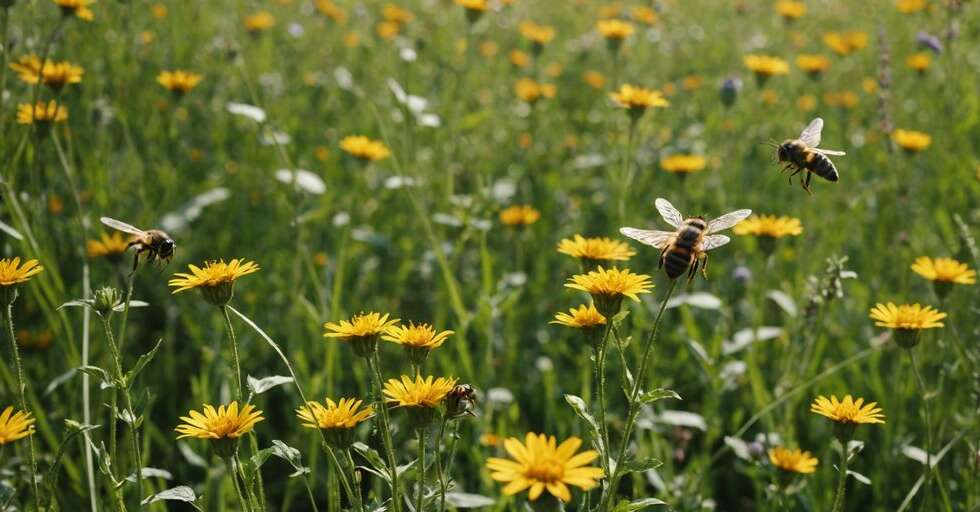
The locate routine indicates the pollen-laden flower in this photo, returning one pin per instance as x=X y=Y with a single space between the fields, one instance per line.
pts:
x=911 y=141
x=418 y=397
x=178 y=81
x=765 y=66
x=362 y=331
x=530 y=90
x=595 y=249
x=223 y=426
x=44 y=115
x=109 y=244
x=683 y=164
x=608 y=287
x=907 y=320
x=911 y=6
x=216 y=280
x=919 y=62
x=944 y=271
x=331 y=10
x=845 y=43
x=519 y=215
x=539 y=35
x=594 y=79
x=790 y=10
x=769 y=226
x=847 y=413
x=540 y=463
x=588 y=319
x=12 y=274
x=636 y=100
x=53 y=74
x=417 y=339
x=15 y=426
x=813 y=64
x=793 y=461
x=615 y=31
x=78 y=8
x=364 y=148
x=259 y=22
x=337 y=420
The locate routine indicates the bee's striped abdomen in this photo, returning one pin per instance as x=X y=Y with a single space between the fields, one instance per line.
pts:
x=681 y=253
x=819 y=164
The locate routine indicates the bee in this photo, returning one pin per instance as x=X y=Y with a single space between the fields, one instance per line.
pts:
x=157 y=244
x=686 y=248
x=802 y=154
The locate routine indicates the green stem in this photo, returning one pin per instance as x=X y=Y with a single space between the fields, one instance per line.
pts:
x=420 y=498
x=443 y=482
x=842 y=481
x=344 y=480
x=128 y=403
x=600 y=379
x=927 y=470
x=21 y=386
x=374 y=366
x=242 y=499
x=234 y=352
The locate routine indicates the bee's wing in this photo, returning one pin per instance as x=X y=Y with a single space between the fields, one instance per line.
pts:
x=651 y=237
x=727 y=220
x=811 y=134
x=122 y=226
x=830 y=152
x=714 y=242
x=668 y=212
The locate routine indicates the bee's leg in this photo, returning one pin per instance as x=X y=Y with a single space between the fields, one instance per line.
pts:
x=809 y=176
x=663 y=253
x=704 y=265
x=136 y=259
x=692 y=271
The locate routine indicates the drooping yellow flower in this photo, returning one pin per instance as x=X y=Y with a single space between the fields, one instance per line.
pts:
x=54 y=74
x=225 y=422
x=769 y=226
x=540 y=35
x=540 y=463
x=596 y=248
x=766 y=65
x=944 y=270
x=615 y=29
x=906 y=316
x=911 y=6
x=345 y=414
x=636 y=100
x=362 y=331
x=179 y=81
x=421 y=392
x=911 y=140
x=918 y=62
x=109 y=244
x=582 y=317
x=79 y=8
x=15 y=426
x=683 y=164
x=364 y=148
x=416 y=336
x=42 y=114
x=813 y=64
x=793 y=461
x=13 y=273
x=790 y=10
x=608 y=286
x=530 y=90
x=849 y=410
x=259 y=22
x=519 y=215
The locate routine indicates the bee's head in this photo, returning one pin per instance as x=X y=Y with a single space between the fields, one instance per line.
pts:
x=782 y=151
x=167 y=248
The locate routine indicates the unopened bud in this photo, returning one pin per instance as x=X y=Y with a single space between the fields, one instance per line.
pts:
x=106 y=299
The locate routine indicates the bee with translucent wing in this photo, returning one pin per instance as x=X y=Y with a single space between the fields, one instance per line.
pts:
x=685 y=249
x=802 y=154
x=157 y=244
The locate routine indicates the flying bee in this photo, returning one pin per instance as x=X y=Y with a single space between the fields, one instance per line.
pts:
x=802 y=154
x=686 y=248
x=157 y=244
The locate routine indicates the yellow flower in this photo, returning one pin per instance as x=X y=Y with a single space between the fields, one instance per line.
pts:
x=387 y=29
x=582 y=317
x=346 y=414
x=595 y=248
x=813 y=64
x=12 y=272
x=77 y=7
x=364 y=148
x=519 y=59
x=159 y=11
x=794 y=461
x=393 y=13
x=330 y=9
x=644 y=14
x=227 y=422
x=473 y=5
x=765 y=65
x=540 y=463
x=807 y=102
x=845 y=43
x=110 y=244
x=843 y=99
x=14 y=426
x=537 y=34
x=42 y=114
x=944 y=270
x=361 y=331
x=520 y=215
x=848 y=411
x=906 y=317
x=530 y=91
x=259 y=21
x=692 y=82
x=428 y=392
x=683 y=163
x=416 y=336
x=870 y=85
x=55 y=74
x=769 y=226
x=490 y=439
x=594 y=79
x=615 y=29
x=637 y=99
x=910 y=6
x=911 y=140
x=613 y=283
x=918 y=61
x=216 y=280
x=790 y=10
x=179 y=81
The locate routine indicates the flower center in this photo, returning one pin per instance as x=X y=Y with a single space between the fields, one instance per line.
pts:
x=546 y=470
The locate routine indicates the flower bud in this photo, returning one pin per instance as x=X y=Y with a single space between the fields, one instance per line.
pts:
x=729 y=91
x=105 y=300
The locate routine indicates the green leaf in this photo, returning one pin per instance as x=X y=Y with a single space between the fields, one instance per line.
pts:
x=98 y=373
x=582 y=411
x=465 y=500
x=619 y=317
x=179 y=493
x=631 y=506
x=659 y=394
x=259 y=386
x=376 y=466
x=641 y=466
x=141 y=364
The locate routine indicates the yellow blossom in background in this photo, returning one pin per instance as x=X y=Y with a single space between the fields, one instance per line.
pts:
x=644 y=14
x=530 y=90
x=489 y=49
x=845 y=43
x=765 y=65
x=15 y=426
x=159 y=11
x=519 y=59
x=794 y=461
x=769 y=226
x=683 y=164
x=610 y=10
x=769 y=97
x=918 y=61
x=259 y=22
x=911 y=6
x=416 y=336
x=392 y=12
x=581 y=317
x=692 y=82
x=537 y=34
x=78 y=8
x=813 y=64
x=540 y=463
x=473 y=5
x=615 y=29
x=637 y=99
x=594 y=79
x=807 y=102
x=790 y=10
x=42 y=113
x=906 y=316
x=109 y=244
x=843 y=99
x=911 y=140
x=352 y=39
x=848 y=410
x=553 y=70
x=490 y=439
x=54 y=74
x=331 y=10
x=596 y=249
x=344 y=414
x=364 y=325
x=870 y=85
x=387 y=29
x=421 y=392
x=225 y=422
x=944 y=270
x=178 y=81
x=612 y=283
x=364 y=148
x=519 y=215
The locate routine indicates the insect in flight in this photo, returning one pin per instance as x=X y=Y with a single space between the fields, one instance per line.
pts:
x=802 y=154
x=685 y=249
x=156 y=243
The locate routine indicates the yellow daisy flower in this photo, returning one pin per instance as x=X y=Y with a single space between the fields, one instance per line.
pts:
x=54 y=74
x=582 y=317
x=644 y=14
x=790 y=10
x=178 y=81
x=848 y=410
x=109 y=244
x=911 y=6
x=594 y=79
x=911 y=141
x=842 y=99
x=79 y=8
x=519 y=215
x=396 y=14
x=944 y=270
x=361 y=331
x=765 y=66
x=793 y=461
x=216 y=280
x=13 y=273
x=519 y=59
x=540 y=35
x=43 y=114
x=337 y=420
x=636 y=100
x=769 y=226
x=421 y=392
x=223 y=425
x=15 y=426
x=683 y=164
x=596 y=248
x=540 y=463
x=473 y=5
x=845 y=43
x=259 y=22
x=530 y=90
x=812 y=64
x=907 y=320
x=608 y=287
x=364 y=148
x=919 y=62
x=614 y=29
x=416 y=336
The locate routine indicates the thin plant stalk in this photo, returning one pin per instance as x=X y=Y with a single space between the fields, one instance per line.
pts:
x=21 y=386
x=600 y=382
x=242 y=499
x=842 y=481
x=440 y=475
x=128 y=404
x=420 y=498
x=927 y=470
x=234 y=351
x=375 y=368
